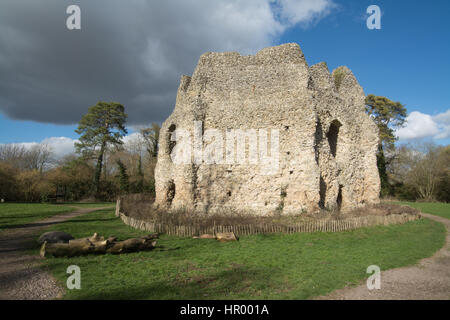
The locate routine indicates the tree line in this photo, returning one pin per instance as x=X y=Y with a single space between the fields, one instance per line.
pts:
x=413 y=171
x=103 y=167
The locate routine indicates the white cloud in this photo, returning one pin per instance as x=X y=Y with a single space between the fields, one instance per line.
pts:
x=420 y=125
x=443 y=121
x=62 y=146
x=59 y=146
x=133 y=142
x=305 y=12
x=132 y=138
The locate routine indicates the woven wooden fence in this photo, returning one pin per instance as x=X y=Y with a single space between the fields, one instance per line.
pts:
x=240 y=230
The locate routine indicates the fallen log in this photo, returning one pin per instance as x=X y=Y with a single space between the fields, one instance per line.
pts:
x=98 y=245
x=226 y=236
x=220 y=236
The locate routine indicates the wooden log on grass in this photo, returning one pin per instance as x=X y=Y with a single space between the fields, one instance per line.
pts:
x=226 y=236
x=98 y=245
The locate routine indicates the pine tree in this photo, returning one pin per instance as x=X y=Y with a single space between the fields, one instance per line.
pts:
x=102 y=126
x=388 y=116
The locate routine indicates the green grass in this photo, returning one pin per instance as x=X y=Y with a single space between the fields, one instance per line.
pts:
x=13 y=215
x=89 y=205
x=275 y=266
x=437 y=208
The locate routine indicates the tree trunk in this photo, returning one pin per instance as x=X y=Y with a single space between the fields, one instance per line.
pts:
x=98 y=169
x=98 y=245
x=381 y=164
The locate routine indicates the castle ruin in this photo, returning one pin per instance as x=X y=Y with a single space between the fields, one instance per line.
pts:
x=321 y=144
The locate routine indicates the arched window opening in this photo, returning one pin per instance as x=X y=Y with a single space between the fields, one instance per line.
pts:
x=339 y=198
x=171 y=138
x=332 y=136
x=318 y=140
x=322 y=192
x=170 y=193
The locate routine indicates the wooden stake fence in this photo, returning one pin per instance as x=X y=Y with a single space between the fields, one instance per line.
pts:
x=241 y=230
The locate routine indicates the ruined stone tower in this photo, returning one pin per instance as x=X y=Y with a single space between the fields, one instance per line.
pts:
x=322 y=145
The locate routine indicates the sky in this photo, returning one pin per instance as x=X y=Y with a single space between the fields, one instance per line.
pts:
x=135 y=53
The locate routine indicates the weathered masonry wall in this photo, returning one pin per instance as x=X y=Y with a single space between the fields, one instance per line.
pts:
x=327 y=145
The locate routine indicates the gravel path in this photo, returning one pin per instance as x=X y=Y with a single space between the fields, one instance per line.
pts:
x=429 y=279
x=20 y=275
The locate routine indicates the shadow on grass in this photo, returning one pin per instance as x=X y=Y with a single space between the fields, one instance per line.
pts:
x=87 y=220
x=164 y=248
x=226 y=284
x=14 y=217
x=47 y=224
x=28 y=225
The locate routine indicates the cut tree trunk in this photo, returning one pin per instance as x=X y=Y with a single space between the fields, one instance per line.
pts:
x=226 y=236
x=98 y=245
x=220 y=236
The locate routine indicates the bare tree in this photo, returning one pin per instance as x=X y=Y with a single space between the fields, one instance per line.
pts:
x=151 y=137
x=425 y=169
x=37 y=157
x=12 y=153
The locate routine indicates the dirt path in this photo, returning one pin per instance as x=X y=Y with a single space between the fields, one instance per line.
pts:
x=20 y=275
x=429 y=279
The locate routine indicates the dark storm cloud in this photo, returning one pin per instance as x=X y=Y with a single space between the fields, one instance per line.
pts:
x=133 y=52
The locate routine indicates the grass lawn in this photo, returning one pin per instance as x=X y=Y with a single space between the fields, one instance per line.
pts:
x=437 y=208
x=13 y=215
x=276 y=266
x=90 y=205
